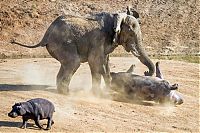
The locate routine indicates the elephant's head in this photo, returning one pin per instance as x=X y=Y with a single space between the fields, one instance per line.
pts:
x=131 y=39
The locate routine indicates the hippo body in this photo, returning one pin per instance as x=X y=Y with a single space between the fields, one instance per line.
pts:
x=35 y=109
x=145 y=87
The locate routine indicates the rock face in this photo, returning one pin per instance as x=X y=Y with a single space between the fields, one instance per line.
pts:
x=168 y=27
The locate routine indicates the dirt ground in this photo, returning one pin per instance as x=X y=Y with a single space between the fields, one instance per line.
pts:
x=80 y=111
x=168 y=26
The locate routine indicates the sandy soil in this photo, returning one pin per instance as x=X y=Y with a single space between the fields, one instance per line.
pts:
x=168 y=26
x=23 y=79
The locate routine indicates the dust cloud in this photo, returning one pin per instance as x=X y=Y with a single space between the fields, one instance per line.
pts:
x=34 y=74
x=79 y=89
x=167 y=110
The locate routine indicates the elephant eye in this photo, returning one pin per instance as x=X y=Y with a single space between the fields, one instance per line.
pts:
x=130 y=28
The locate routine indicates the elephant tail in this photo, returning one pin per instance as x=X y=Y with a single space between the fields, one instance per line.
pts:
x=34 y=46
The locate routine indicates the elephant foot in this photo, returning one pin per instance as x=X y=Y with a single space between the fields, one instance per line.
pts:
x=97 y=92
x=63 y=91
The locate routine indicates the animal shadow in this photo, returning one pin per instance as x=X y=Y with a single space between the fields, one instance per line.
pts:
x=125 y=99
x=13 y=87
x=18 y=124
x=15 y=124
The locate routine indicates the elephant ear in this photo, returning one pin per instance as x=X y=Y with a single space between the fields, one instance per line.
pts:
x=132 y=12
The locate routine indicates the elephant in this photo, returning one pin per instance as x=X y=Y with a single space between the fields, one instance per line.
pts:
x=73 y=40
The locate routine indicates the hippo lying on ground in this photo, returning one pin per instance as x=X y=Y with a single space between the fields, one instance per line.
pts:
x=35 y=109
x=145 y=87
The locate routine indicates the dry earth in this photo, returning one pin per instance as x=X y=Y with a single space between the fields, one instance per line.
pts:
x=168 y=26
x=23 y=79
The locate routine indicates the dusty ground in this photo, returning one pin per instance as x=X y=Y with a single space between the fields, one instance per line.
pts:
x=168 y=26
x=23 y=79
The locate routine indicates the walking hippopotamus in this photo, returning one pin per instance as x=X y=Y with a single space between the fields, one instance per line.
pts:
x=35 y=109
x=145 y=87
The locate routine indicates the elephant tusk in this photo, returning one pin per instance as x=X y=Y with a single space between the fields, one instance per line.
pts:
x=135 y=52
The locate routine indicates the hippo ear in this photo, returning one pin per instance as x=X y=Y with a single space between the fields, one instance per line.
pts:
x=17 y=104
x=174 y=87
x=131 y=69
x=158 y=72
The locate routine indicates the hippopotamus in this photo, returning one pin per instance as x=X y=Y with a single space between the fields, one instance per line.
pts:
x=35 y=109
x=145 y=88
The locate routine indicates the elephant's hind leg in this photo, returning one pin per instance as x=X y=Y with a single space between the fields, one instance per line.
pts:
x=65 y=74
x=59 y=79
x=69 y=59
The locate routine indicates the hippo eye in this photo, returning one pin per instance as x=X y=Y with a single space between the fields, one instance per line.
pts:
x=18 y=108
x=165 y=81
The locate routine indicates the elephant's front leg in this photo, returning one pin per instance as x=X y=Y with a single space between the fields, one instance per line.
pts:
x=106 y=72
x=96 y=83
x=96 y=66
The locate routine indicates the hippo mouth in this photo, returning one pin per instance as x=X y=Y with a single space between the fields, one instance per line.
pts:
x=175 y=98
x=12 y=115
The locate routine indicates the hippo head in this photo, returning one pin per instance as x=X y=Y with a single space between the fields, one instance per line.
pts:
x=152 y=88
x=169 y=91
x=17 y=110
x=174 y=98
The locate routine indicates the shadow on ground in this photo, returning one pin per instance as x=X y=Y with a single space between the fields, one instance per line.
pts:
x=118 y=98
x=14 y=124
x=125 y=99
x=11 y=87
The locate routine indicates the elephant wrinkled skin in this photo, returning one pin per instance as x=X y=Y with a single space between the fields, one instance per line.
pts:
x=73 y=40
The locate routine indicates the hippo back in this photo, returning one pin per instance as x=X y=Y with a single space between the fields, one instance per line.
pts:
x=42 y=107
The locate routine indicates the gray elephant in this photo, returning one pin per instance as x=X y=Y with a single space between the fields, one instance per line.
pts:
x=73 y=40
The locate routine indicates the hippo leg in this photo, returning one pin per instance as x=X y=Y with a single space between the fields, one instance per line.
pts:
x=49 y=123
x=37 y=122
x=158 y=72
x=24 y=123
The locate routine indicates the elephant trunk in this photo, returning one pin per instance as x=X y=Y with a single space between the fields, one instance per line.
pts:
x=140 y=53
x=146 y=61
